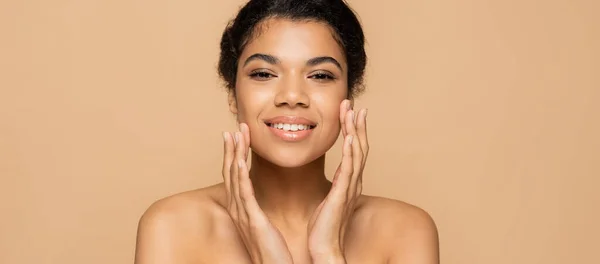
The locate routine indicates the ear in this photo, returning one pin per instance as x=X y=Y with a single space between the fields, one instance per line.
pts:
x=232 y=102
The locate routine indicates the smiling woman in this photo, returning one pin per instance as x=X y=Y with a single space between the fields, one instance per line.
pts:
x=292 y=69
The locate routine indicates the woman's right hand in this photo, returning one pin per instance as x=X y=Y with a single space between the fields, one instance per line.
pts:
x=264 y=242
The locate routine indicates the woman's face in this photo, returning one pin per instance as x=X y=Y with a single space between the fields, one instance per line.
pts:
x=291 y=80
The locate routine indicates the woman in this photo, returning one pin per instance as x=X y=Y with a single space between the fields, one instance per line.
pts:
x=292 y=68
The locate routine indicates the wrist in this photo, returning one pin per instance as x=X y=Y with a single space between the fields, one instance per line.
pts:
x=330 y=261
x=330 y=258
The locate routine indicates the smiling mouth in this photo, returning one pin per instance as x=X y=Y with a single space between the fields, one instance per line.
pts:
x=290 y=127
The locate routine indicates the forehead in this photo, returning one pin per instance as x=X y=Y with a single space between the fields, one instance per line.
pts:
x=294 y=40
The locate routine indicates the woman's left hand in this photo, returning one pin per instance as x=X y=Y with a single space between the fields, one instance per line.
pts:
x=327 y=226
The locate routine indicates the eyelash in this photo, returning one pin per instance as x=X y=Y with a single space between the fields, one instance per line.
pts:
x=264 y=75
x=257 y=75
x=322 y=76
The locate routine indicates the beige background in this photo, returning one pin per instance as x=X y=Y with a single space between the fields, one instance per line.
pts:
x=484 y=113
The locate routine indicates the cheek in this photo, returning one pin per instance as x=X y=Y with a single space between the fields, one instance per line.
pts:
x=251 y=100
x=329 y=106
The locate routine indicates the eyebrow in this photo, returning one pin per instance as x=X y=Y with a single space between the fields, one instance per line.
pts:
x=265 y=57
x=324 y=59
x=274 y=60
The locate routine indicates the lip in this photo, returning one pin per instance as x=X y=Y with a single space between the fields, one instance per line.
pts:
x=290 y=136
x=290 y=120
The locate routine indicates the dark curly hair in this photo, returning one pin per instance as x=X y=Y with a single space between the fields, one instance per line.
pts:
x=336 y=13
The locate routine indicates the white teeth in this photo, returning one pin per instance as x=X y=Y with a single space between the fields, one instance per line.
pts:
x=291 y=127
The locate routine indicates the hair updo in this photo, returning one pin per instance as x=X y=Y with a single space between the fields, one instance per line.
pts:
x=335 y=13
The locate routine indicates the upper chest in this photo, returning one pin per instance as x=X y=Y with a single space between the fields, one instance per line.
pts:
x=228 y=252
x=362 y=246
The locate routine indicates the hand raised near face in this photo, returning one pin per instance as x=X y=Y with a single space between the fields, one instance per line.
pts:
x=327 y=227
x=264 y=242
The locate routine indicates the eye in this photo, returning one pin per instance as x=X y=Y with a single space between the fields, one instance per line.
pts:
x=261 y=75
x=322 y=76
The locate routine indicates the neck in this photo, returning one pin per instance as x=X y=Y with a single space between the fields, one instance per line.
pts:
x=289 y=194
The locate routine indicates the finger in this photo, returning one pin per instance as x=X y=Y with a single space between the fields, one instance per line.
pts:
x=239 y=155
x=351 y=127
x=351 y=130
x=234 y=178
x=357 y=157
x=227 y=160
x=247 y=193
x=359 y=187
x=242 y=212
x=364 y=143
x=361 y=127
x=344 y=107
x=337 y=198
x=246 y=134
x=342 y=178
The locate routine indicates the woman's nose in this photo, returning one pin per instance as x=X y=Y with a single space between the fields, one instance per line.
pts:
x=292 y=92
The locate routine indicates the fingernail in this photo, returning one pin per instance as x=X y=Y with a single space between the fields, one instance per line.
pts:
x=350 y=139
x=225 y=136
x=348 y=106
x=237 y=137
x=365 y=114
x=240 y=163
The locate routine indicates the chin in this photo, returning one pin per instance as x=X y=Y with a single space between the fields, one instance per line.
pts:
x=288 y=157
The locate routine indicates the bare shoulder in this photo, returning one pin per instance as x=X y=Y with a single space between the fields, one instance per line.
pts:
x=408 y=232
x=190 y=207
x=174 y=228
x=397 y=214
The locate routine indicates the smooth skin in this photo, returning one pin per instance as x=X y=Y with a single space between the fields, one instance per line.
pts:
x=281 y=208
